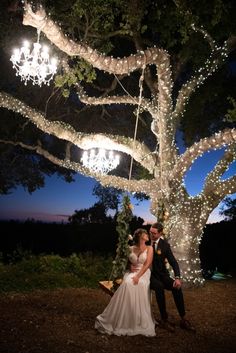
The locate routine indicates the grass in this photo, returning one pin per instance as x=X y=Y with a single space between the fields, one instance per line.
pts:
x=53 y=271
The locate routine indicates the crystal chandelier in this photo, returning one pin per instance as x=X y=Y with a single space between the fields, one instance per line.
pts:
x=101 y=161
x=34 y=65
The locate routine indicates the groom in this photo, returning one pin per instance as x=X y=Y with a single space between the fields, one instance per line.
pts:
x=161 y=280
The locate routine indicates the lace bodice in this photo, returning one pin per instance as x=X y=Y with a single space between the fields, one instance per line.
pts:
x=137 y=259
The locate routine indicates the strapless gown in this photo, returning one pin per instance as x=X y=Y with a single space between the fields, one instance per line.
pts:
x=129 y=310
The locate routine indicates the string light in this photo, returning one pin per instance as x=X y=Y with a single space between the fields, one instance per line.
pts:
x=187 y=215
x=101 y=161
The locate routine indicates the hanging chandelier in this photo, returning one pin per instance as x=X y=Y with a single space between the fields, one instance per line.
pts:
x=34 y=65
x=101 y=161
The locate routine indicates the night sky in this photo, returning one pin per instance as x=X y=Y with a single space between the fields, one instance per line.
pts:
x=58 y=199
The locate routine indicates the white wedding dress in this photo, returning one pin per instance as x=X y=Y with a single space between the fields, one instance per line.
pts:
x=129 y=310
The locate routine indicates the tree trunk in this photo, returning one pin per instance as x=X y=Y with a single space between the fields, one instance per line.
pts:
x=183 y=230
x=184 y=239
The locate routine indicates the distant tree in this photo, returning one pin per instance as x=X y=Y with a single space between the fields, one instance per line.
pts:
x=136 y=222
x=94 y=214
x=108 y=196
x=228 y=210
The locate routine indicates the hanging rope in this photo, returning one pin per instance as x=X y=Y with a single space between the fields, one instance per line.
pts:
x=137 y=118
x=137 y=113
x=125 y=216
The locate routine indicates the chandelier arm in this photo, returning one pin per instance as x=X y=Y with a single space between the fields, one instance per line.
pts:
x=34 y=65
x=102 y=161
x=122 y=144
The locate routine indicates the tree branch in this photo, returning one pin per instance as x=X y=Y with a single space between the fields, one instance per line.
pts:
x=206 y=36
x=216 y=192
x=85 y=141
x=146 y=104
x=114 y=181
x=216 y=58
x=221 y=167
x=126 y=65
x=218 y=140
x=229 y=185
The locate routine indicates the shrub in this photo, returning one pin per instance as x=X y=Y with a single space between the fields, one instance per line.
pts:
x=54 y=271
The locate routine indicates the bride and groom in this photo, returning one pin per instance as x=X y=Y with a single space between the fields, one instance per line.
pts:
x=129 y=310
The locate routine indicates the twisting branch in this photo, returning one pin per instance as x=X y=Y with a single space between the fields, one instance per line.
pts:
x=126 y=65
x=146 y=104
x=206 y=36
x=228 y=185
x=85 y=141
x=213 y=178
x=215 y=193
x=21 y=144
x=219 y=139
x=117 y=182
x=217 y=56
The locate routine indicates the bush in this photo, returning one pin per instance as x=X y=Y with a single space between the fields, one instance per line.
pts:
x=53 y=263
x=54 y=271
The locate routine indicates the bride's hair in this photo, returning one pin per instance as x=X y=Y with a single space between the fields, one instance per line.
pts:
x=137 y=235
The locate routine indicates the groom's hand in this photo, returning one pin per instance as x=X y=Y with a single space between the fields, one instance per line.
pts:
x=177 y=283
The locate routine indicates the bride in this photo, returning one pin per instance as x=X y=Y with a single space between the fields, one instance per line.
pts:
x=129 y=310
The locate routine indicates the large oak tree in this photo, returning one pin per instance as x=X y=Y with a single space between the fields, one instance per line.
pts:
x=160 y=66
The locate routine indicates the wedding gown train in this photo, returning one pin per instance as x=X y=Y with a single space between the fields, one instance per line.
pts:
x=129 y=310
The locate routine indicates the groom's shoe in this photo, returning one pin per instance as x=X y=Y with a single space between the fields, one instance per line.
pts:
x=166 y=325
x=186 y=325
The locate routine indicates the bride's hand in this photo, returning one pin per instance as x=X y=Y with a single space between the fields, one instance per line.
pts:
x=133 y=268
x=135 y=279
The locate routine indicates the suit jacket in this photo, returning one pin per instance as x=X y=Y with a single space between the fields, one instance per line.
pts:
x=160 y=255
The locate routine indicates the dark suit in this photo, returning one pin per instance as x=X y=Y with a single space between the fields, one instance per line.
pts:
x=161 y=280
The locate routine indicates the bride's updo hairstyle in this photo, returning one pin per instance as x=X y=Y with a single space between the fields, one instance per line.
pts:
x=137 y=235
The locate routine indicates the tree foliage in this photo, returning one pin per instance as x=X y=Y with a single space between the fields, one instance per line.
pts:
x=118 y=28
x=228 y=210
x=93 y=214
x=132 y=75
x=110 y=197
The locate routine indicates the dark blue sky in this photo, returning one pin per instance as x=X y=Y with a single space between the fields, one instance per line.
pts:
x=58 y=199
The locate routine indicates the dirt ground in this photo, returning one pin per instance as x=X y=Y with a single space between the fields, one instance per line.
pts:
x=62 y=321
